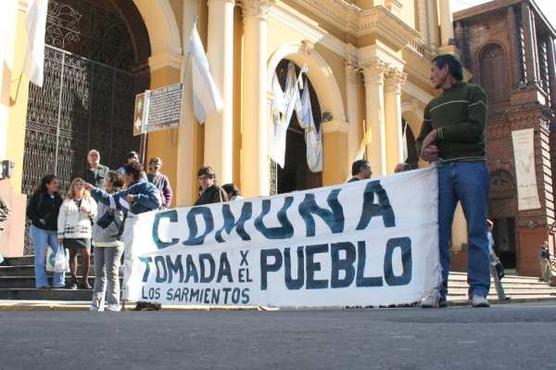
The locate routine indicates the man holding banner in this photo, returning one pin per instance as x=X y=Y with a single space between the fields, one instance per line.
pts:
x=452 y=135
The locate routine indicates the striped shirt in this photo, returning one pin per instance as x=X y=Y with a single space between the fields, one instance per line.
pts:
x=459 y=115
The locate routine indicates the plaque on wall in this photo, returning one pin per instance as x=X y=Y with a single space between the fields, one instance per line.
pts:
x=158 y=109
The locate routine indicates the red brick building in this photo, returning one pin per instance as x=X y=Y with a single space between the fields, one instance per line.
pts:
x=508 y=46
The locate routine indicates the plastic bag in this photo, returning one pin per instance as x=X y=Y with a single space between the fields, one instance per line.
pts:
x=61 y=260
x=50 y=259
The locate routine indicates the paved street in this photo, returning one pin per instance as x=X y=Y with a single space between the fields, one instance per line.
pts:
x=505 y=337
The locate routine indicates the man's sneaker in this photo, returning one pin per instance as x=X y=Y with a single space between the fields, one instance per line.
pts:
x=113 y=308
x=432 y=300
x=442 y=303
x=479 y=301
x=96 y=309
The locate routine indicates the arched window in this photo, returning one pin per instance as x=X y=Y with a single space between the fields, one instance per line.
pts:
x=493 y=73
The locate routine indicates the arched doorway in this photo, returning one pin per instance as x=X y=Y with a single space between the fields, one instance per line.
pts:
x=296 y=174
x=95 y=63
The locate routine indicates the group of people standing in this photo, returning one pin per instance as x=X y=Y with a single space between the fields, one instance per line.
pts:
x=81 y=220
x=100 y=206
x=94 y=213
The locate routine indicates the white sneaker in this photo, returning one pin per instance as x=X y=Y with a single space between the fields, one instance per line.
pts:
x=479 y=301
x=96 y=309
x=431 y=301
x=113 y=308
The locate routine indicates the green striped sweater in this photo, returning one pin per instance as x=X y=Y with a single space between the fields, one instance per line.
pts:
x=459 y=115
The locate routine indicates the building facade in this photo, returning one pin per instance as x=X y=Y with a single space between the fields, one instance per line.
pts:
x=508 y=46
x=368 y=69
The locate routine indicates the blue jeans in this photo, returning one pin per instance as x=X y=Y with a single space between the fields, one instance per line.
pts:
x=468 y=183
x=41 y=240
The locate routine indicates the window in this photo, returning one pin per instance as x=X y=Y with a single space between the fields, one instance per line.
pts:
x=493 y=73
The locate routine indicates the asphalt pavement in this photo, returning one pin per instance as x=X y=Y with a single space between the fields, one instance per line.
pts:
x=515 y=336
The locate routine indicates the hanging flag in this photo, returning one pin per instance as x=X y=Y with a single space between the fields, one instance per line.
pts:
x=366 y=140
x=283 y=105
x=35 y=24
x=206 y=97
x=8 y=25
x=313 y=138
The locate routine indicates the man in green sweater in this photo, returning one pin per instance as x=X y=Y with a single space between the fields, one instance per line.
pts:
x=452 y=135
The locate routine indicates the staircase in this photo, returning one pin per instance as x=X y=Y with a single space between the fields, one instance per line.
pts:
x=17 y=283
x=517 y=288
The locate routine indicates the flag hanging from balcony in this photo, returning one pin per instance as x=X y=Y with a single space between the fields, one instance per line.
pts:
x=206 y=96
x=35 y=24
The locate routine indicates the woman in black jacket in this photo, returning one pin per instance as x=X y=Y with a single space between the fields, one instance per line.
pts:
x=209 y=191
x=42 y=210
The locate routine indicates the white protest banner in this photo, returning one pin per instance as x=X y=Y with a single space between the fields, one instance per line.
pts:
x=526 y=176
x=363 y=243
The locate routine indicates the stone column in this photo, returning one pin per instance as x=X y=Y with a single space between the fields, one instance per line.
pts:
x=393 y=114
x=186 y=162
x=551 y=70
x=531 y=57
x=219 y=128
x=374 y=104
x=352 y=116
x=255 y=165
x=423 y=22
x=446 y=27
x=432 y=18
x=514 y=52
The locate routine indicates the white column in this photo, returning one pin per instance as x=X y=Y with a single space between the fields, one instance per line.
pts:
x=219 y=128
x=446 y=26
x=393 y=114
x=186 y=131
x=432 y=25
x=423 y=22
x=351 y=102
x=374 y=104
x=255 y=165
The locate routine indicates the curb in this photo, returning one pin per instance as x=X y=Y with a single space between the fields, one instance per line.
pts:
x=11 y=306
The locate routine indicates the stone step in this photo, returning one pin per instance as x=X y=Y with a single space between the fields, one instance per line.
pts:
x=457 y=276
x=25 y=271
x=513 y=299
x=46 y=294
x=508 y=286
x=30 y=260
x=27 y=281
x=508 y=292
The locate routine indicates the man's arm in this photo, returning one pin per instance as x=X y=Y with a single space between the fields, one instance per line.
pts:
x=151 y=199
x=167 y=191
x=470 y=131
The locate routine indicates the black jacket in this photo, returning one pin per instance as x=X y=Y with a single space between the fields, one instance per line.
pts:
x=213 y=194
x=98 y=179
x=43 y=209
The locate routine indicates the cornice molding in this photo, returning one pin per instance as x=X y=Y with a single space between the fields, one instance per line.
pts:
x=256 y=8
x=284 y=14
